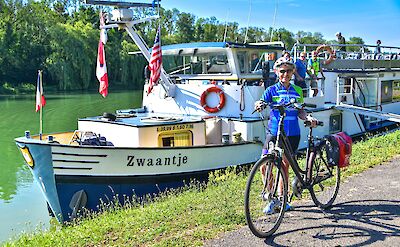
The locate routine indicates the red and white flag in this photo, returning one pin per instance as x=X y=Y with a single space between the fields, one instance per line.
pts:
x=101 y=69
x=40 y=100
x=155 y=62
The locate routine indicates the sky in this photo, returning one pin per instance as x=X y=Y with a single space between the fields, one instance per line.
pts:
x=369 y=19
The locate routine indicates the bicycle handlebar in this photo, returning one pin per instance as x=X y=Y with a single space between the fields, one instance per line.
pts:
x=282 y=106
x=308 y=123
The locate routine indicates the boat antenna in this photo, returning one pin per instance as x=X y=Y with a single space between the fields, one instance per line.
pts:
x=156 y=3
x=226 y=25
x=274 y=19
x=248 y=21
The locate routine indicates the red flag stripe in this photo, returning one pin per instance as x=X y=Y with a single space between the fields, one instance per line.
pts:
x=155 y=63
x=101 y=69
x=40 y=99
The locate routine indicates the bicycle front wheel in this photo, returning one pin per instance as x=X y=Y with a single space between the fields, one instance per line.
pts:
x=262 y=190
x=325 y=180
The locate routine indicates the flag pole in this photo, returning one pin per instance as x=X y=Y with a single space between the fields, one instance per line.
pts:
x=41 y=107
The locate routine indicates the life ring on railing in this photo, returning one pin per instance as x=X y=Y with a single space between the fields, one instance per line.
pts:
x=332 y=55
x=221 y=103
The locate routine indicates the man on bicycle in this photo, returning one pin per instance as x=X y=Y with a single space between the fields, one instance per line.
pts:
x=280 y=93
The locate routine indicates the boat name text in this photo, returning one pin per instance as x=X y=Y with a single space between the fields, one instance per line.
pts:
x=175 y=127
x=167 y=161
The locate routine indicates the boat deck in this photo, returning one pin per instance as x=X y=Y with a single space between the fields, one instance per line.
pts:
x=146 y=119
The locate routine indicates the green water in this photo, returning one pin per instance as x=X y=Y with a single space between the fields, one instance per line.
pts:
x=22 y=207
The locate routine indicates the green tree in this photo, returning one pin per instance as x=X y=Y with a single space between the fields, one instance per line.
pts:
x=185 y=27
x=355 y=41
x=310 y=38
x=72 y=61
x=285 y=36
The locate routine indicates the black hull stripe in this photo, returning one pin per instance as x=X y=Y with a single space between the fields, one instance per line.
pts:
x=84 y=155
x=138 y=179
x=72 y=168
x=78 y=161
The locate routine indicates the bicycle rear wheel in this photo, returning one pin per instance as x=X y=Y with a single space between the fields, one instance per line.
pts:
x=259 y=193
x=325 y=180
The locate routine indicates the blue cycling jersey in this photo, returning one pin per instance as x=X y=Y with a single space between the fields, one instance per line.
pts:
x=278 y=94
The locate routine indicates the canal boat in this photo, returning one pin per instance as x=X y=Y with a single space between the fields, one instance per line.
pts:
x=199 y=119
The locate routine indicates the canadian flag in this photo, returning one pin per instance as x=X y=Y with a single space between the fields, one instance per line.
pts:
x=101 y=69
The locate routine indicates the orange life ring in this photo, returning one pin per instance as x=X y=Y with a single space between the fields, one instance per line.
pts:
x=203 y=97
x=332 y=55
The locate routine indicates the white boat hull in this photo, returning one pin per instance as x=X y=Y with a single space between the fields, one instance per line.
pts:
x=103 y=174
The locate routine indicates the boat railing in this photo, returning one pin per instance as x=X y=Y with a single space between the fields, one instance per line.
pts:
x=308 y=90
x=355 y=56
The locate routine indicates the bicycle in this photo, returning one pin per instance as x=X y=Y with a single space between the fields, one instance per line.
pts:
x=318 y=177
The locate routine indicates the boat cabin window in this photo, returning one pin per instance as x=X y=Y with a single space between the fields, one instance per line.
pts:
x=386 y=91
x=396 y=90
x=175 y=139
x=200 y=63
x=335 y=123
x=252 y=61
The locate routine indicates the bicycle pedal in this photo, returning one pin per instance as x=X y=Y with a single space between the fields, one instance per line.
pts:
x=298 y=195
x=291 y=197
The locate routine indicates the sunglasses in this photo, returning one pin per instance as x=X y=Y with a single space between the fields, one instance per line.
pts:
x=283 y=71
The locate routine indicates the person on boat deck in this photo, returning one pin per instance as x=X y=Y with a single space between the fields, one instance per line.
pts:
x=314 y=68
x=280 y=93
x=254 y=61
x=287 y=57
x=301 y=72
x=342 y=41
x=377 y=48
x=268 y=78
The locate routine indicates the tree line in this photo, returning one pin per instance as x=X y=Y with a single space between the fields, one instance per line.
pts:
x=61 y=37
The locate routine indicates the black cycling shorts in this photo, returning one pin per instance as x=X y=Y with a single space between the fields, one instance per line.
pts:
x=293 y=140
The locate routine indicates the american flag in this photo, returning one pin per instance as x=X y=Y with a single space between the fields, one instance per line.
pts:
x=155 y=62
x=40 y=100
x=101 y=69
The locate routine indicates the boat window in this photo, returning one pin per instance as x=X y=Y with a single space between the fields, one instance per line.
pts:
x=252 y=61
x=396 y=90
x=335 y=123
x=386 y=91
x=242 y=59
x=205 y=63
x=175 y=139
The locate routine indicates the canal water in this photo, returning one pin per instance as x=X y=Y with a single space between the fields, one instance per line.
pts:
x=22 y=206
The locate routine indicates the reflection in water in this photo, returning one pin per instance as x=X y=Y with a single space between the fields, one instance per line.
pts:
x=60 y=114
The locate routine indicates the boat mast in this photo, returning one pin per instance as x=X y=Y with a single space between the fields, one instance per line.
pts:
x=122 y=17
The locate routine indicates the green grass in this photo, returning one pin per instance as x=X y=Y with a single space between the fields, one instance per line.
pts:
x=189 y=216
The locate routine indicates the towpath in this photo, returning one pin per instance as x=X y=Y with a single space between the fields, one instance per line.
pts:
x=366 y=213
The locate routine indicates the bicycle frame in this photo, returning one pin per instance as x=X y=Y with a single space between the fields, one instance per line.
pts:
x=282 y=138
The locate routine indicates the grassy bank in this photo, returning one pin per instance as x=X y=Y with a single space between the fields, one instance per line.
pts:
x=188 y=217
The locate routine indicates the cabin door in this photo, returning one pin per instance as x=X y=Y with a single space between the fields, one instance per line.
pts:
x=359 y=91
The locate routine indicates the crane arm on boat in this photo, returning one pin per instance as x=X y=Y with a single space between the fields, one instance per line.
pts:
x=123 y=17
x=368 y=112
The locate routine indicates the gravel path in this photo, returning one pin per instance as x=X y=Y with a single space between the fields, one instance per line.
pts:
x=366 y=212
